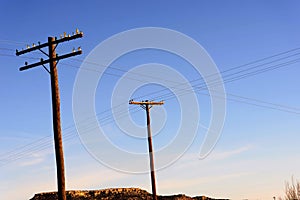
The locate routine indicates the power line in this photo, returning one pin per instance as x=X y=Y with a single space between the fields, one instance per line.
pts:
x=108 y=119
x=222 y=72
x=12 y=42
x=229 y=77
x=46 y=142
x=211 y=75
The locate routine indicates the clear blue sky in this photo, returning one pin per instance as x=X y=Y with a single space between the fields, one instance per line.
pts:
x=259 y=146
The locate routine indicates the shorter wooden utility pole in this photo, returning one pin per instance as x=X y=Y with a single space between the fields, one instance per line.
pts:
x=146 y=105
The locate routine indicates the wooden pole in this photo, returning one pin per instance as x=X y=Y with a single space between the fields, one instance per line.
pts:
x=53 y=58
x=147 y=105
x=56 y=122
x=151 y=156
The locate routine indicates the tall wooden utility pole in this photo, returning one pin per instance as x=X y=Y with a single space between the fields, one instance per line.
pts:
x=53 y=59
x=146 y=105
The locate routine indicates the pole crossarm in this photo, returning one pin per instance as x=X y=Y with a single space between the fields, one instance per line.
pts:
x=146 y=102
x=42 y=62
x=29 y=49
x=56 y=41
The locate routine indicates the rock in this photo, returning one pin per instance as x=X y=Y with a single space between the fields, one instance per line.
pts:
x=113 y=194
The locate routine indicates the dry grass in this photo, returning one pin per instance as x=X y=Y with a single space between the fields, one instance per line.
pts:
x=292 y=190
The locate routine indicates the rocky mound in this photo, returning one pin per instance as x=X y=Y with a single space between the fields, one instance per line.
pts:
x=113 y=194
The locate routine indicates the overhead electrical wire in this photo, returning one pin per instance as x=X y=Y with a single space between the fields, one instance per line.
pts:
x=202 y=86
x=46 y=142
x=229 y=76
x=235 y=78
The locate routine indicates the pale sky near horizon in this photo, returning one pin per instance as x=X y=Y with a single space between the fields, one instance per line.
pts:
x=259 y=145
